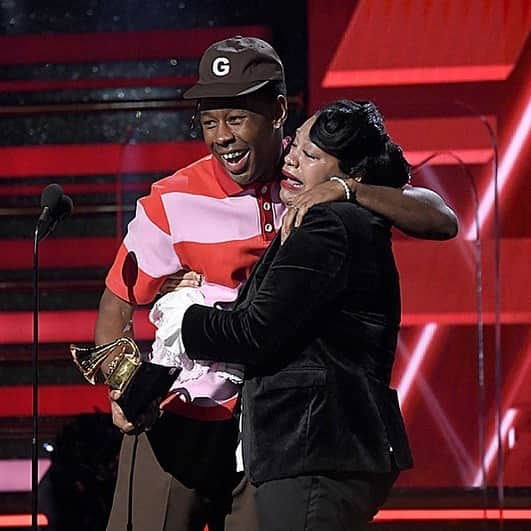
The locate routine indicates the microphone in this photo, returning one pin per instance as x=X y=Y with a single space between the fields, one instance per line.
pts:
x=50 y=198
x=56 y=206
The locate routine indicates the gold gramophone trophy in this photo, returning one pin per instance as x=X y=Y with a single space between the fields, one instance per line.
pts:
x=121 y=369
x=140 y=382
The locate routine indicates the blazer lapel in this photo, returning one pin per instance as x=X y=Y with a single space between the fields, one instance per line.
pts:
x=259 y=271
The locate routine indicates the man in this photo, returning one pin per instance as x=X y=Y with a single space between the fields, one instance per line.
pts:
x=215 y=217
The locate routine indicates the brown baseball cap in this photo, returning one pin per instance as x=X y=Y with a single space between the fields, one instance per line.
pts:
x=234 y=67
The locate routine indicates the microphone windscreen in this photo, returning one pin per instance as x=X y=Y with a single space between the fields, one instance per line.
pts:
x=64 y=207
x=51 y=196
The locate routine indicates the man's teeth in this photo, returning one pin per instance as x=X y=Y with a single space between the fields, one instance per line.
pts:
x=233 y=155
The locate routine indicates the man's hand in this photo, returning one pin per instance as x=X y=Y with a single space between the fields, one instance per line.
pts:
x=143 y=422
x=182 y=279
x=322 y=193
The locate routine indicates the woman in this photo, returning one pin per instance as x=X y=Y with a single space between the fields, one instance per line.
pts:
x=316 y=328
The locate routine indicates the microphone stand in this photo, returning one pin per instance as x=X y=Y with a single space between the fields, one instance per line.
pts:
x=35 y=385
x=56 y=206
x=480 y=337
x=498 y=354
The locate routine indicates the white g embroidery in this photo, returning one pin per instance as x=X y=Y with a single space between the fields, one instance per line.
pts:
x=220 y=66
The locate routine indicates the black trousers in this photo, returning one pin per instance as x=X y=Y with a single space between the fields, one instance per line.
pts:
x=322 y=503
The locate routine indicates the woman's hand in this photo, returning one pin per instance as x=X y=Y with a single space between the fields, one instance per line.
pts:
x=322 y=193
x=182 y=279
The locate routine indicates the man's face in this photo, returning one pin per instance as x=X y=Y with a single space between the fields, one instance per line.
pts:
x=241 y=134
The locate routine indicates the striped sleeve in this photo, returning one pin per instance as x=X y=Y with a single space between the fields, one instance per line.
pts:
x=146 y=256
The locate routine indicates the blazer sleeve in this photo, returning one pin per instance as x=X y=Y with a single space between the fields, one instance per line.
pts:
x=308 y=272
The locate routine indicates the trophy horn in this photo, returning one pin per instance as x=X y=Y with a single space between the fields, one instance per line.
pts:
x=89 y=360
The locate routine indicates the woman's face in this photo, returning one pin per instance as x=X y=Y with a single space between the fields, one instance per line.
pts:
x=305 y=165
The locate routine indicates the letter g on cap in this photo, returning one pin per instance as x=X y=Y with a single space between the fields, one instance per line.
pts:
x=220 y=66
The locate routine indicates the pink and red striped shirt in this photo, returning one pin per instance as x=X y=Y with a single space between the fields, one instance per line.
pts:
x=198 y=219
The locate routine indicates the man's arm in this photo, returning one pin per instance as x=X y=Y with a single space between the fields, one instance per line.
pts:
x=114 y=319
x=147 y=241
x=418 y=212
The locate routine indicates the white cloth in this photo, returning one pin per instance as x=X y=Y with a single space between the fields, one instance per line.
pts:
x=202 y=376
x=167 y=315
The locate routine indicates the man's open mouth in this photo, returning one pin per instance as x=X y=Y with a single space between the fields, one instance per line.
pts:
x=236 y=161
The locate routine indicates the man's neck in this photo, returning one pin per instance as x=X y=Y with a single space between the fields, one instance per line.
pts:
x=274 y=172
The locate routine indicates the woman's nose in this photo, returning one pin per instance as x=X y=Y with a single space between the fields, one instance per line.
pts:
x=290 y=158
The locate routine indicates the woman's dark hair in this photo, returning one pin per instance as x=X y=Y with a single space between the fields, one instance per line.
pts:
x=354 y=133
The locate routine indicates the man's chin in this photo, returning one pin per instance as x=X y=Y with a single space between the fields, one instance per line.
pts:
x=242 y=175
x=243 y=179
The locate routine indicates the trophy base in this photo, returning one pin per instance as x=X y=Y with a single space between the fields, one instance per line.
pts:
x=148 y=383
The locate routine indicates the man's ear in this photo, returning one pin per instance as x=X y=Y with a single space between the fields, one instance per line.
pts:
x=281 y=111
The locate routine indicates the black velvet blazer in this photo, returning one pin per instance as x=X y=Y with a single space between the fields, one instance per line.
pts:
x=316 y=327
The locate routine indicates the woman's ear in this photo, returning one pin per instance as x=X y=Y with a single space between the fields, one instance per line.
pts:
x=356 y=173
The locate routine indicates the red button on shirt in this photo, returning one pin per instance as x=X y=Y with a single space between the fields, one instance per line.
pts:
x=267 y=222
